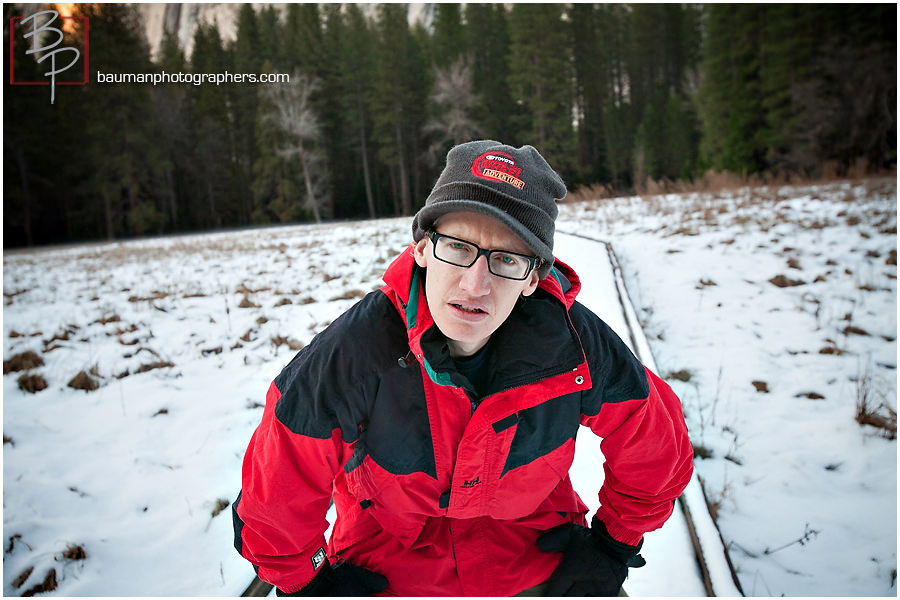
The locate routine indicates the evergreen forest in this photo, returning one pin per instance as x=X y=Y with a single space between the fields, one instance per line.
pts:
x=610 y=94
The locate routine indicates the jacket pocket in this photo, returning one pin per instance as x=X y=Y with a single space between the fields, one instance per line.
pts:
x=354 y=527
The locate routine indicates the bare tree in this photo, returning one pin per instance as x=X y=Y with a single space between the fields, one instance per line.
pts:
x=295 y=117
x=453 y=100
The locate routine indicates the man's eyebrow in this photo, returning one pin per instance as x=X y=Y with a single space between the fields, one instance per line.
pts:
x=525 y=252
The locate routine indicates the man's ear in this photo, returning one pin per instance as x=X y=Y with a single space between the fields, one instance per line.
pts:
x=532 y=284
x=419 y=252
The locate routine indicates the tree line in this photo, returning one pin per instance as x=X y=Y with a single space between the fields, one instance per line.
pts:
x=609 y=93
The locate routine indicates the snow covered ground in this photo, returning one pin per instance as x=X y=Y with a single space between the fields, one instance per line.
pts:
x=123 y=490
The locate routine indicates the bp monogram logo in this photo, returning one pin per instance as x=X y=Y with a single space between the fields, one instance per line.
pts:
x=498 y=166
x=38 y=36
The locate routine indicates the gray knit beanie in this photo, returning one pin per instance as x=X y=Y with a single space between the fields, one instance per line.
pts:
x=513 y=185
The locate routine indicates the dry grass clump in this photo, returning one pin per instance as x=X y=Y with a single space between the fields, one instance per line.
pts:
x=74 y=552
x=702 y=452
x=761 y=386
x=47 y=585
x=243 y=289
x=61 y=336
x=247 y=303
x=680 y=375
x=10 y=295
x=22 y=577
x=83 y=381
x=154 y=295
x=114 y=318
x=22 y=362
x=881 y=417
x=872 y=408
x=220 y=505
x=31 y=383
x=853 y=329
x=832 y=348
x=160 y=364
x=122 y=330
x=350 y=295
x=784 y=281
x=291 y=343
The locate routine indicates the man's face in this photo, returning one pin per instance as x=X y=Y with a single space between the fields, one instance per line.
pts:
x=469 y=304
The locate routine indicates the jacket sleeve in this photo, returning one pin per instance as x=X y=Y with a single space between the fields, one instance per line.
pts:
x=279 y=516
x=649 y=457
x=649 y=460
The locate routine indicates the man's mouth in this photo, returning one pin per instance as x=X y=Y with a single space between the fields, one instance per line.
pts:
x=468 y=309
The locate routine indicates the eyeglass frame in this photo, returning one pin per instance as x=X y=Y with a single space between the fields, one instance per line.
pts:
x=534 y=262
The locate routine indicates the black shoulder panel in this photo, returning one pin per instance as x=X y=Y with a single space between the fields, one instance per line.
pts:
x=349 y=377
x=616 y=374
x=329 y=383
x=398 y=436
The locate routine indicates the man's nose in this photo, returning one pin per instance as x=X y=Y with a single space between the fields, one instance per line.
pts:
x=477 y=278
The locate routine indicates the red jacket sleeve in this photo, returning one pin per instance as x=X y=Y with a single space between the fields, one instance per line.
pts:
x=649 y=460
x=285 y=492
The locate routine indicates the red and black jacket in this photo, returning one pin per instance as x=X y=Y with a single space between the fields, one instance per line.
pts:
x=441 y=494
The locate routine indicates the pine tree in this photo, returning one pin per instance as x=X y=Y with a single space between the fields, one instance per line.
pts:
x=398 y=101
x=592 y=92
x=729 y=96
x=211 y=129
x=121 y=146
x=30 y=143
x=170 y=105
x=248 y=58
x=447 y=39
x=487 y=44
x=302 y=47
x=664 y=42
x=618 y=116
x=540 y=79
x=844 y=107
x=271 y=36
x=356 y=64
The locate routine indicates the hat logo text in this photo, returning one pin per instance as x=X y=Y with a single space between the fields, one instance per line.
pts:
x=498 y=166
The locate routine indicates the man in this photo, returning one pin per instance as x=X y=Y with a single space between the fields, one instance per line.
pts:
x=440 y=414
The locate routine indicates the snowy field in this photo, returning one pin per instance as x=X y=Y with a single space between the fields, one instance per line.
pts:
x=772 y=312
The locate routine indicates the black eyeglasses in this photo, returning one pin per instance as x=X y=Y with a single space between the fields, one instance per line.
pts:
x=508 y=265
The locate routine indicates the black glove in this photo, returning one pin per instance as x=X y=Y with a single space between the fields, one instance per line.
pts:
x=593 y=564
x=342 y=579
